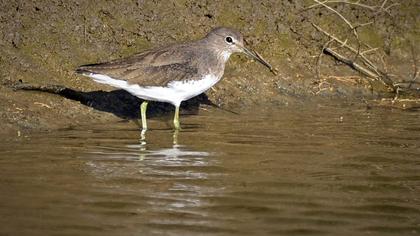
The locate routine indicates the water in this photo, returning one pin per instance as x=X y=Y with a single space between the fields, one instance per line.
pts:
x=333 y=170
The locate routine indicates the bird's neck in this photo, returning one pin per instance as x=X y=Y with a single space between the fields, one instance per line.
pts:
x=221 y=53
x=224 y=55
x=214 y=57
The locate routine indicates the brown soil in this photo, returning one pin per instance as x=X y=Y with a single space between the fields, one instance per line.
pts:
x=42 y=42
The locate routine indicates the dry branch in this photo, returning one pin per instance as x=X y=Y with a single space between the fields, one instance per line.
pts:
x=319 y=59
x=353 y=51
x=373 y=70
x=415 y=70
x=350 y=63
x=377 y=9
x=372 y=8
x=346 y=45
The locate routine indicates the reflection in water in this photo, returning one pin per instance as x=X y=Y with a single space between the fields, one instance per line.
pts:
x=165 y=180
x=177 y=151
x=315 y=171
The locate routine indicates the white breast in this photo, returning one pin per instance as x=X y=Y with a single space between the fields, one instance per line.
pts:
x=175 y=92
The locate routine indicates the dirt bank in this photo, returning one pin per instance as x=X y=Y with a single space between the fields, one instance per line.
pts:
x=42 y=42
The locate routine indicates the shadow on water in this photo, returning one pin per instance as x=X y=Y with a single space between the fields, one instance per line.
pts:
x=118 y=102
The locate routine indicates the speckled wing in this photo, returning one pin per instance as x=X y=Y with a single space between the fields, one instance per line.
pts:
x=149 y=68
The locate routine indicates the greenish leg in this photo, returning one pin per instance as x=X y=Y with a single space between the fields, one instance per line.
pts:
x=176 y=118
x=143 y=109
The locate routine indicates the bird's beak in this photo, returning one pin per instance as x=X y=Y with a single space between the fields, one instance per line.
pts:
x=256 y=56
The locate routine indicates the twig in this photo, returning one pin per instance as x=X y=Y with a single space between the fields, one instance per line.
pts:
x=337 y=13
x=389 y=7
x=383 y=4
x=318 y=63
x=414 y=58
x=381 y=76
x=378 y=9
x=42 y=104
x=363 y=24
x=360 y=51
x=343 y=43
x=84 y=30
x=351 y=63
x=369 y=50
x=352 y=28
x=372 y=8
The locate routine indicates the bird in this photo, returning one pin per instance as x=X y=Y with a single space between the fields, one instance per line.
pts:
x=173 y=73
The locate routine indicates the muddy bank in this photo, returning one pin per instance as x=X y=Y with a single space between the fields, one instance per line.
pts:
x=42 y=42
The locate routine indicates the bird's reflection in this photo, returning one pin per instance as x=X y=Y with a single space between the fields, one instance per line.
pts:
x=143 y=137
x=173 y=153
x=152 y=158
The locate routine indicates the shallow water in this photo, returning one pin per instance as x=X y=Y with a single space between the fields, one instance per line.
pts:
x=332 y=170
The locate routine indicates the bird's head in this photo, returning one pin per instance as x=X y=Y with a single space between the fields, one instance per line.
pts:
x=229 y=41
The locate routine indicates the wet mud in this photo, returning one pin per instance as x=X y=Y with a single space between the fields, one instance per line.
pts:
x=43 y=42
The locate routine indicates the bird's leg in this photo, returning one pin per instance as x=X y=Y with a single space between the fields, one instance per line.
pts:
x=176 y=118
x=143 y=108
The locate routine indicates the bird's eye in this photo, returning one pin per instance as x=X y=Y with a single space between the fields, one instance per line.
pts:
x=229 y=40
